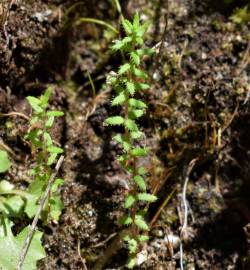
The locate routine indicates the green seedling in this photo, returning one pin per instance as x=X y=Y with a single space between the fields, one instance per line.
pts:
x=127 y=83
x=46 y=153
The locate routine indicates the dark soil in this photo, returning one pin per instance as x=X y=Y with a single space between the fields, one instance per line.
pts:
x=199 y=108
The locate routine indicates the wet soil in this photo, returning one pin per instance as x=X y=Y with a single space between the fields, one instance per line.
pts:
x=198 y=109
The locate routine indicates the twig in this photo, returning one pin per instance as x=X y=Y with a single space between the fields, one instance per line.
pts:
x=7 y=148
x=168 y=198
x=245 y=60
x=184 y=197
x=28 y=239
x=111 y=249
x=184 y=230
x=79 y=253
x=15 y=114
x=104 y=241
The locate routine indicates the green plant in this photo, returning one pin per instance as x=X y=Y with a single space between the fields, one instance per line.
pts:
x=127 y=83
x=46 y=154
x=11 y=205
x=14 y=203
x=241 y=15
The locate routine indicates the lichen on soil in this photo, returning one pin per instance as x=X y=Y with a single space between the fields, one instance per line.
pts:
x=198 y=108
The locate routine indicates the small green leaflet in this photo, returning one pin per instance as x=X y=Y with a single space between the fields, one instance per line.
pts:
x=52 y=158
x=129 y=201
x=47 y=139
x=137 y=103
x=126 y=220
x=117 y=45
x=136 y=22
x=49 y=123
x=114 y=120
x=4 y=161
x=124 y=68
x=128 y=27
x=142 y=29
x=120 y=99
x=135 y=58
x=131 y=263
x=55 y=113
x=139 y=73
x=14 y=206
x=5 y=186
x=45 y=97
x=140 y=223
x=139 y=152
x=132 y=245
x=143 y=238
x=120 y=139
x=139 y=40
x=136 y=134
x=10 y=248
x=130 y=87
x=55 y=207
x=136 y=114
x=131 y=125
x=142 y=171
x=55 y=150
x=140 y=182
x=126 y=40
x=146 y=197
x=141 y=86
x=145 y=51
x=35 y=104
